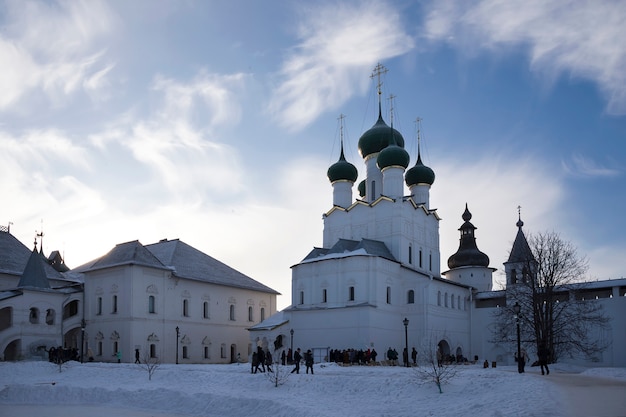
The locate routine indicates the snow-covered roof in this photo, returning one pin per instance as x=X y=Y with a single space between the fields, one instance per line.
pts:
x=272 y=322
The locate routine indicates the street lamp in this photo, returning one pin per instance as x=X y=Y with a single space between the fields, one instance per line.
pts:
x=177 y=336
x=516 y=309
x=82 y=340
x=291 y=332
x=406 y=340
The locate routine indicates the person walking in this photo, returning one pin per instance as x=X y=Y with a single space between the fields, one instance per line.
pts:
x=261 y=356
x=137 y=356
x=308 y=361
x=414 y=356
x=405 y=358
x=268 y=360
x=543 y=354
x=296 y=361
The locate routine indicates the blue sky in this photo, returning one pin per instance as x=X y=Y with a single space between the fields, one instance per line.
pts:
x=215 y=122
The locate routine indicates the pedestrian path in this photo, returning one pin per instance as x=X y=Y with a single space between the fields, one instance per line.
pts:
x=590 y=396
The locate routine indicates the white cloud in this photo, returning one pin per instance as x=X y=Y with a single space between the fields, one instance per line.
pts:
x=580 y=38
x=339 y=43
x=54 y=47
x=582 y=166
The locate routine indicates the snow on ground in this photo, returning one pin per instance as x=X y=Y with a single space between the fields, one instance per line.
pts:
x=231 y=390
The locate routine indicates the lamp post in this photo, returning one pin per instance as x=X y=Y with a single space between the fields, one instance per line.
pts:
x=291 y=332
x=82 y=340
x=177 y=336
x=406 y=340
x=516 y=309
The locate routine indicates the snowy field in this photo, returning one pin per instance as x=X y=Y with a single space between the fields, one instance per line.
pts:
x=99 y=389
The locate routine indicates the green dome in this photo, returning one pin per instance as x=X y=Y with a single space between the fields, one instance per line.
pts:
x=419 y=174
x=392 y=155
x=377 y=138
x=342 y=170
x=362 y=188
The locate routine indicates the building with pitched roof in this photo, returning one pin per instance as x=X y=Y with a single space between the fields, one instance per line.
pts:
x=168 y=301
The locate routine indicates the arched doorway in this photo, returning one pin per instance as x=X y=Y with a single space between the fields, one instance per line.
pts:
x=233 y=353
x=12 y=351
x=444 y=349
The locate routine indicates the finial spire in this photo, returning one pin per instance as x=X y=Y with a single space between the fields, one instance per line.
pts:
x=340 y=118
x=378 y=71
x=519 y=223
x=418 y=123
x=40 y=235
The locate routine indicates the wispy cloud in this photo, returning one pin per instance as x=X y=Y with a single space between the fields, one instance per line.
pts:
x=582 y=166
x=580 y=38
x=339 y=43
x=53 y=48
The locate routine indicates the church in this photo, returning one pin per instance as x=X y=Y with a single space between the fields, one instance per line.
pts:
x=376 y=282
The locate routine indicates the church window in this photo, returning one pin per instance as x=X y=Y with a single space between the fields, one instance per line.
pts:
x=70 y=309
x=420 y=258
x=185 y=352
x=250 y=314
x=445 y=299
x=430 y=261
x=452 y=300
x=524 y=275
x=99 y=348
x=116 y=347
x=439 y=298
x=152 y=350
x=50 y=317
x=513 y=276
x=458 y=302
x=324 y=295
x=114 y=307
x=351 y=294
x=207 y=355
x=205 y=310
x=185 y=308
x=388 y=295
x=411 y=297
x=151 y=306
x=99 y=306
x=410 y=254
x=34 y=316
x=232 y=313
x=262 y=313
x=223 y=351
x=301 y=297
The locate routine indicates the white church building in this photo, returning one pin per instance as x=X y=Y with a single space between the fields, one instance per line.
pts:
x=376 y=281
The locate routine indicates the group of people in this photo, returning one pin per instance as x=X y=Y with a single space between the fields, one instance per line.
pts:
x=543 y=356
x=352 y=356
x=60 y=354
x=262 y=359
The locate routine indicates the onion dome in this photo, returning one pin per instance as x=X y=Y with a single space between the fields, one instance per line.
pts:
x=419 y=174
x=468 y=253
x=362 y=189
x=342 y=170
x=377 y=137
x=392 y=155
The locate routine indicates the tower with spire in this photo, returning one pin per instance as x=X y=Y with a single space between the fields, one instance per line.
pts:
x=521 y=263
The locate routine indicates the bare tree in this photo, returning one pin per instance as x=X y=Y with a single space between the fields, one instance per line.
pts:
x=552 y=311
x=150 y=364
x=277 y=373
x=432 y=366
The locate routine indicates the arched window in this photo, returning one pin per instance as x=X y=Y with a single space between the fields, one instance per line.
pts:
x=430 y=261
x=205 y=310
x=50 y=317
x=439 y=298
x=513 y=276
x=207 y=354
x=351 y=294
x=420 y=258
x=388 y=295
x=33 y=317
x=301 y=297
x=324 y=295
x=250 y=315
x=151 y=306
x=410 y=254
x=99 y=307
x=185 y=352
x=223 y=351
x=262 y=313
x=114 y=305
x=452 y=300
x=232 y=312
x=445 y=300
x=411 y=297
x=186 y=307
x=152 y=350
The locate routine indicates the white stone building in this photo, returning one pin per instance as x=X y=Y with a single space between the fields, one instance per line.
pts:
x=379 y=265
x=167 y=300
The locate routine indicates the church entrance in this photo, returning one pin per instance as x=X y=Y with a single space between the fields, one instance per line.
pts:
x=444 y=349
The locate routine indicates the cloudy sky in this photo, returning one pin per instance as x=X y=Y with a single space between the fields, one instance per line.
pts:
x=215 y=122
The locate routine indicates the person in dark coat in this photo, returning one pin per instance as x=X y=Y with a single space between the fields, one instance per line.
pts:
x=308 y=361
x=373 y=355
x=296 y=361
x=543 y=354
x=261 y=356
x=254 y=363
x=283 y=357
x=268 y=361
x=405 y=357
x=137 y=356
x=414 y=356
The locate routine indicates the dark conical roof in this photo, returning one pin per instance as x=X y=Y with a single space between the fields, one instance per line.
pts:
x=468 y=253
x=520 y=252
x=34 y=275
